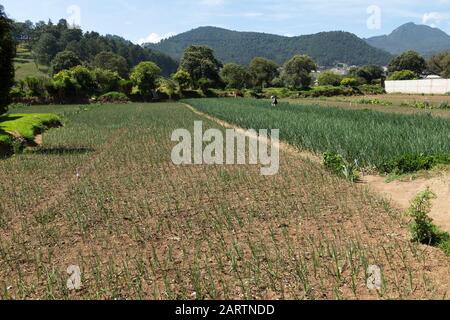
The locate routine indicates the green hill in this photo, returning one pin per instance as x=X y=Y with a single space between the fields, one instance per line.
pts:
x=327 y=48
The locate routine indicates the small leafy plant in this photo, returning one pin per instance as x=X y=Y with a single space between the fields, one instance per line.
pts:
x=336 y=164
x=422 y=229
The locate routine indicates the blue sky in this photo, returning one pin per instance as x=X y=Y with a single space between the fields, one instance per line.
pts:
x=151 y=20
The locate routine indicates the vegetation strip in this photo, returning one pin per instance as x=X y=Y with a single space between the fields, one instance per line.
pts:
x=372 y=139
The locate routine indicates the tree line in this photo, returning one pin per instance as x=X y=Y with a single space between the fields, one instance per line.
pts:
x=48 y=40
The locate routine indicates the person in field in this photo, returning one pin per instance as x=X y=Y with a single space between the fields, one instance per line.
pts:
x=274 y=101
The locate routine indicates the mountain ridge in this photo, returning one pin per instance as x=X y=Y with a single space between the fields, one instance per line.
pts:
x=327 y=48
x=410 y=36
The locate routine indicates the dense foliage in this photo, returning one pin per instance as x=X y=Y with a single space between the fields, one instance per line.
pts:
x=439 y=64
x=235 y=76
x=409 y=60
x=263 y=71
x=7 y=52
x=403 y=75
x=64 y=60
x=326 y=48
x=144 y=77
x=200 y=63
x=328 y=78
x=48 y=39
x=297 y=72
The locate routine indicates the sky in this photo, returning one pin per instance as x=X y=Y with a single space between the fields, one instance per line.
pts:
x=152 y=20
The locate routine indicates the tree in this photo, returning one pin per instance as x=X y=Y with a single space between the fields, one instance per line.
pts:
x=369 y=73
x=85 y=79
x=113 y=62
x=409 y=60
x=167 y=87
x=7 y=53
x=46 y=48
x=64 y=60
x=106 y=80
x=144 y=77
x=263 y=71
x=199 y=62
x=328 y=78
x=440 y=64
x=403 y=75
x=297 y=72
x=183 y=78
x=235 y=76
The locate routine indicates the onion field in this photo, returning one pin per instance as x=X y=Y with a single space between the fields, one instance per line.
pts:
x=369 y=137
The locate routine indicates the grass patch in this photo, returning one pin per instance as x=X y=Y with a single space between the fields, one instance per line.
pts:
x=25 y=65
x=27 y=125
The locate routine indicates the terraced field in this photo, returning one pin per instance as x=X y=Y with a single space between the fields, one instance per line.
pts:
x=102 y=193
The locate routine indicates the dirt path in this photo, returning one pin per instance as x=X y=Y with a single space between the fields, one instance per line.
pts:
x=400 y=193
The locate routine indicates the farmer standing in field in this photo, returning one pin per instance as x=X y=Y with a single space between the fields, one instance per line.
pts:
x=274 y=101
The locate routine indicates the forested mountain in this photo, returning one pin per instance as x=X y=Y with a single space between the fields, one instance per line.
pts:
x=421 y=38
x=48 y=39
x=326 y=48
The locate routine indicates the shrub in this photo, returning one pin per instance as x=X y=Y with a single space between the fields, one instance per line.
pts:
x=350 y=82
x=403 y=75
x=375 y=102
x=64 y=87
x=336 y=164
x=371 y=89
x=113 y=97
x=329 y=91
x=329 y=78
x=422 y=228
x=35 y=86
x=444 y=105
x=279 y=92
x=410 y=163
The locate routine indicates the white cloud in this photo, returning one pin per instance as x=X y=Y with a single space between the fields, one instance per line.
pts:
x=432 y=18
x=155 y=37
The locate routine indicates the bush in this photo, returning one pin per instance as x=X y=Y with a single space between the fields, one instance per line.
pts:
x=422 y=228
x=329 y=78
x=375 y=102
x=279 y=92
x=402 y=75
x=113 y=97
x=336 y=164
x=410 y=163
x=350 y=82
x=35 y=86
x=371 y=89
x=329 y=91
